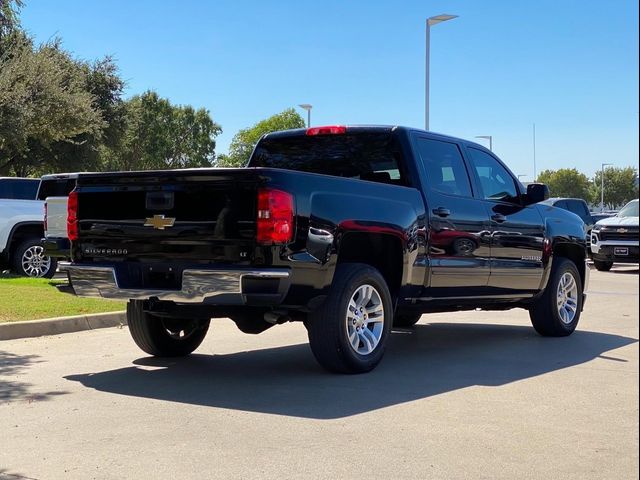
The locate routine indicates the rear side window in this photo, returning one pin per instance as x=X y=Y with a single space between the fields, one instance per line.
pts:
x=368 y=156
x=495 y=180
x=444 y=166
x=59 y=187
x=19 y=189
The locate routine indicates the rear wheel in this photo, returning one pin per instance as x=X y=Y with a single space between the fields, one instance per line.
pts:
x=164 y=336
x=557 y=312
x=349 y=332
x=29 y=260
x=603 y=266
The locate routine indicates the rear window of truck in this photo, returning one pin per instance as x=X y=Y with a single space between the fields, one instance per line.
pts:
x=59 y=187
x=19 y=189
x=375 y=157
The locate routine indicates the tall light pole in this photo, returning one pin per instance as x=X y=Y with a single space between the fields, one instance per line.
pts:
x=487 y=137
x=430 y=22
x=535 y=172
x=602 y=185
x=307 y=107
x=521 y=175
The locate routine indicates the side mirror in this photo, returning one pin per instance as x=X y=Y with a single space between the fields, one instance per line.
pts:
x=536 y=192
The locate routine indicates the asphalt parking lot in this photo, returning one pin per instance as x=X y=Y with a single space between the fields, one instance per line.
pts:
x=469 y=395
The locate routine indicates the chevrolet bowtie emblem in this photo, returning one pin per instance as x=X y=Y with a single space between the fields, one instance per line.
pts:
x=622 y=230
x=159 y=222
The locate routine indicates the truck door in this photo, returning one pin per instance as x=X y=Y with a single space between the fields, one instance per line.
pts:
x=517 y=232
x=458 y=239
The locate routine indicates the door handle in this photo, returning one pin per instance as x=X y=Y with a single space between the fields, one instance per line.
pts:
x=498 y=218
x=441 y=212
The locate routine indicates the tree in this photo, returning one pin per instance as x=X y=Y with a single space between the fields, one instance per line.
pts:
x=566 y=182
x=9 y=21
x=43 y=101
x=159 y=135
x=620 y=186
x=245 y=140
x=83 y=152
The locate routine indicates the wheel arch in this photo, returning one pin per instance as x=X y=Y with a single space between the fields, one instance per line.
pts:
x=383 y=252
x=574 y=252
x=22 y=231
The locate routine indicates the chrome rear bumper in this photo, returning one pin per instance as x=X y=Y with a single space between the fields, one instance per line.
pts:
x=212 y=286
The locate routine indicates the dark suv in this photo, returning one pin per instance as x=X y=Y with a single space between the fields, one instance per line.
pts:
x=577 y=206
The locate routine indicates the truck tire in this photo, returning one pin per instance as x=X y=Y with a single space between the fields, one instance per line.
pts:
x=602 y=265
x=348 y=333
x=406 y=321
x=557 y=312
x=28 y=260
x=163 y=336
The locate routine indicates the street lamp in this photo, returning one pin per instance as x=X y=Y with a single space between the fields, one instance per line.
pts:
x=521 y=175
x=430 y=22
x=487 y=137
x=307 y=107
x=602 y=185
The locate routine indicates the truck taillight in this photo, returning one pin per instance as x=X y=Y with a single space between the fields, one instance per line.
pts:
x=275 y=217
x=45 y=217
x=72 y=216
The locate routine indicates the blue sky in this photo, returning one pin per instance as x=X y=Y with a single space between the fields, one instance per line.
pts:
x=569 y=66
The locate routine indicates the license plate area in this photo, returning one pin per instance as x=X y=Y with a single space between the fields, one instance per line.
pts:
x=621 y=251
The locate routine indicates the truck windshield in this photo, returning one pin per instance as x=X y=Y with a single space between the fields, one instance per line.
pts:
x=369 y=156
x=629 y=210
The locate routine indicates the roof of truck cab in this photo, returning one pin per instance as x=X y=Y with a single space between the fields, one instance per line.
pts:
x=62 y=176
x=373 y=129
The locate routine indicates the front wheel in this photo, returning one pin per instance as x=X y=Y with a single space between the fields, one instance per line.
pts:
x=349 y=332
x=557 y=312
x=164 y=336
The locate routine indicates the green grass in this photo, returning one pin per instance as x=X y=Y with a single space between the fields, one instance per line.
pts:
x=35 y=298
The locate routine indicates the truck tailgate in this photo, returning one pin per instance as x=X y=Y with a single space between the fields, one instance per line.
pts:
x=56 y=217
x=187 y=216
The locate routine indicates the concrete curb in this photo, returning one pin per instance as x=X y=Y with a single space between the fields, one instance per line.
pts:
x=54 y=326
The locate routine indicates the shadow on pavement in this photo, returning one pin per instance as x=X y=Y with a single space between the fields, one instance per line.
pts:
x=429 y=360
x=12 y=366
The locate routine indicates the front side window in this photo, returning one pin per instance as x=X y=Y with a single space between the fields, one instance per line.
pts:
x=495 y=180
x=444 y=166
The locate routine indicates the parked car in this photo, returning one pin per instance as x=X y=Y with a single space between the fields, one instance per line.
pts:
x=616 y=239
x=18 y=188
x=21 y=229
x=577 y=206
x=342 y=228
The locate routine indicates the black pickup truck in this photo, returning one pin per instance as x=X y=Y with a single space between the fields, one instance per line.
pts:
x=351 y=230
